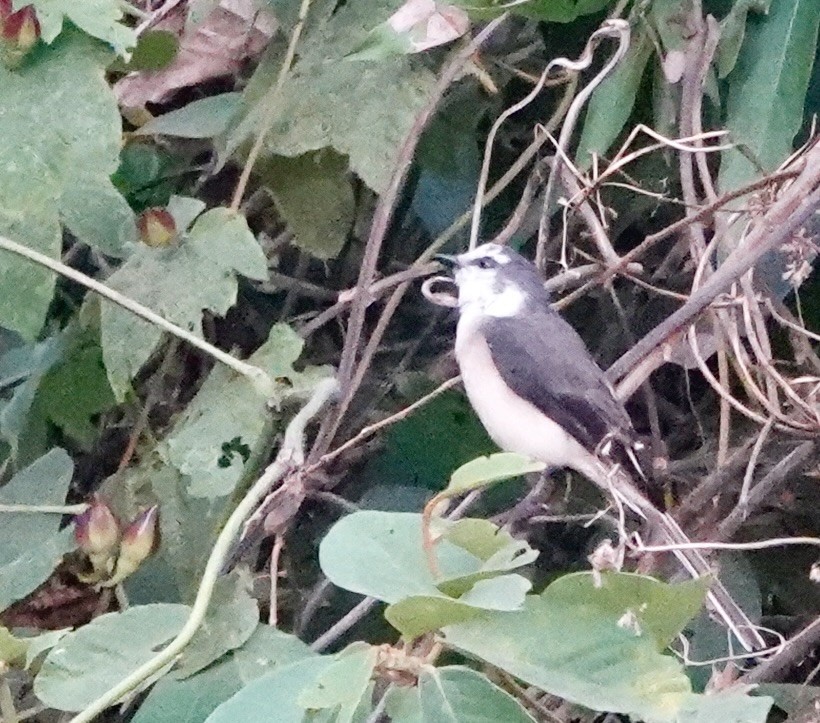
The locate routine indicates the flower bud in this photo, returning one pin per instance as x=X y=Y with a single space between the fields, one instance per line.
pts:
x=139 y=541
x=96 y=530
x=19 y=31
x=157 y=227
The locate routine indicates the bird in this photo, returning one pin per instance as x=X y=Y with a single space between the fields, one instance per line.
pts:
x=538 y=392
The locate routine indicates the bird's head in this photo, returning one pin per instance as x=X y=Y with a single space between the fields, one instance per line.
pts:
x=494 y=280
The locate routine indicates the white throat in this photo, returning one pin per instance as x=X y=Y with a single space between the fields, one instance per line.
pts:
x=477 y=295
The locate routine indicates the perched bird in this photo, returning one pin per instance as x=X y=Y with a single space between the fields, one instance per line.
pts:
x=538 y=392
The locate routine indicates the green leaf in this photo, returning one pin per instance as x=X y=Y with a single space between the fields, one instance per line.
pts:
x=550 y=11
x=455 y=694
x=223 y=425
x=42 y=643
x=179 y=282
x=767 y=88
x=657 y=609
x=612 y=102
x=32 y=544
x=403 y=705
x=342 y=685
x=731 y=705
x=155 y=50
x=380 y=43
x=733 y=30
x=61 y=133
x=184 y=209
x=88 y=662
x=574 y=643
x=75 y=390
x=277 y=691
x=314 y=194
x=380 y=554
x=328 y=102
x=101 y=19
x=232 y=617
x=425 y=448
x=485 y=471
x=420 y=614
x=203 y=118
x=28 y=363
x=193 y=699
x=12 y=649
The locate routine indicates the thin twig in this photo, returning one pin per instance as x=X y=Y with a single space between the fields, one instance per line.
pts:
x=784 y=217
x=270 y=107
x=253 y=373
x=370 y=430
x=766 y=487
x=616 y=28
x=793 y=652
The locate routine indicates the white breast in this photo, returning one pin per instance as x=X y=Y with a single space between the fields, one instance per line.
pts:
x=513 y=423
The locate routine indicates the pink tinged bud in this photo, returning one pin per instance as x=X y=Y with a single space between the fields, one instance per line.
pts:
x=96 y=530
x=21 y=29
x=156 y=227
x=139 y=541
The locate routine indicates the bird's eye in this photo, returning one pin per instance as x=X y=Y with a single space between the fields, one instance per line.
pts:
x=485 y=263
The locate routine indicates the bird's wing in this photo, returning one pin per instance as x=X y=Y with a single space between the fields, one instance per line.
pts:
x=542 y=359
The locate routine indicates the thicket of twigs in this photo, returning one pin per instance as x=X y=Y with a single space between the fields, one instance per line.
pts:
x=225 y=402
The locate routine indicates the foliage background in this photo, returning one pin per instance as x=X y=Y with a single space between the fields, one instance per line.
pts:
x=310 y=162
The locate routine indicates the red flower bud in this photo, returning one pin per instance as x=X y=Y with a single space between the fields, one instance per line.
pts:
x=96 y=530
x=157 y=227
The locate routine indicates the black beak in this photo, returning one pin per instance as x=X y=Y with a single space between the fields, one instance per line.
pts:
x=447 y=260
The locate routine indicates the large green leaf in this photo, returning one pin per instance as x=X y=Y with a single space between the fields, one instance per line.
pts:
x=88 y=662
x=61 y=133
x=327 y=101
x=767 y=88
x=342 y=686
x=224 y=424
x=76 y=390
x=32 y=544
x=179 y=282
x=222 y=436
x=193 y=699
x=599 y=646
x=460 y=695
x=314 y=194
x=579 y=653
x=99 y=18
x=380 y=554
x=232 y=617
x=277 y=691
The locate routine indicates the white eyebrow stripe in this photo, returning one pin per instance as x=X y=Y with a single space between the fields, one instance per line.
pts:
x=489 y=250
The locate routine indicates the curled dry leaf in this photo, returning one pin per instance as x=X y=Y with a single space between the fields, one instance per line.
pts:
x=231 y=34
x=428 y=24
